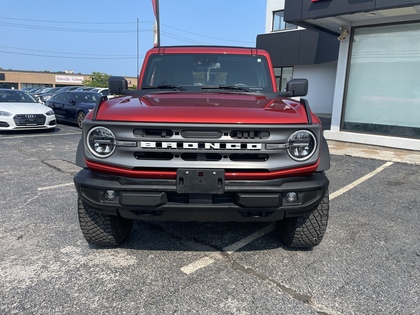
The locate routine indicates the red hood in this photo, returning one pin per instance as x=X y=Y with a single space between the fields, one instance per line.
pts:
x=203 y=108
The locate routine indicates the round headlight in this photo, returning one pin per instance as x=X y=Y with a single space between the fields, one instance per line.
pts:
x=301 y=145
x=101 y=142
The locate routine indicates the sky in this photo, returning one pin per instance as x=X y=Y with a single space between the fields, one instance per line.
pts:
x=112 y=37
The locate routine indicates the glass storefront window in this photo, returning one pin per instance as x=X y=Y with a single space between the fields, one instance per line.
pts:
x=383 y=93
x=279 y=23
x=283 y=75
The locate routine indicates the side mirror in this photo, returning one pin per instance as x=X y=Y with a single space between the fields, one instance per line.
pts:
x=297 y=87
x=117 y=85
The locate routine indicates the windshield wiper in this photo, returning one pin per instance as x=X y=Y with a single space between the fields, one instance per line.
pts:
x=164 y=86
x=227 y=87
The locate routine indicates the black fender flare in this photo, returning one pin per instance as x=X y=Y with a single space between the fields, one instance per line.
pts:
x=324 y=156
x=80 y=154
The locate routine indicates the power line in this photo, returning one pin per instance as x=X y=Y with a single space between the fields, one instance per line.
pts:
x=64 y=29
x=72 y=22
x=74 y=55
x=66 y=57
x=187 y=40
x=65 y=53
x=113 y=31
x=223 y=39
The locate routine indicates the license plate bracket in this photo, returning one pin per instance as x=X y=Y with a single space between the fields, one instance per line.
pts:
x=200 y=181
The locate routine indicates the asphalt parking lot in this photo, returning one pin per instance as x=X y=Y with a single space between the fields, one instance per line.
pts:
x=368 y=262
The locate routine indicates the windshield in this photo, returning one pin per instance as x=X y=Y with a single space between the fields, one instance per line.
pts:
x=195 y=71
x=15 y=96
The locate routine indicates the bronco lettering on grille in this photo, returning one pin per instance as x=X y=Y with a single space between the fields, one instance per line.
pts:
x=200 y=145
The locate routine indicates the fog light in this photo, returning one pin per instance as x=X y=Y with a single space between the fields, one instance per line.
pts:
x=110 y=195
x=291 y=197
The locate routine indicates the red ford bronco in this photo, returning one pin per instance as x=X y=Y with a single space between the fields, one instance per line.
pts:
x=205 y=137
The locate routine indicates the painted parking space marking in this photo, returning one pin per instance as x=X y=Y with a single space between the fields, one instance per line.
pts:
x=206 y=261
x=198 y=264
x=360 y=180
x=245 y=241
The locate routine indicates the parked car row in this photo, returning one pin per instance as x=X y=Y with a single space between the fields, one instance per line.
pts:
x=44 y=93
x=20 y=110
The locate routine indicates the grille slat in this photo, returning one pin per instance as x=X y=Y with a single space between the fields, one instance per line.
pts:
x=153 y=132
x=250 y=134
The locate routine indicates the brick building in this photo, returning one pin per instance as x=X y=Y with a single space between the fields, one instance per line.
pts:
x=31 y=79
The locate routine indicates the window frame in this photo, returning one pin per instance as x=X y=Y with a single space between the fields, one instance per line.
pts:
x=279 y=78
x=282 y=22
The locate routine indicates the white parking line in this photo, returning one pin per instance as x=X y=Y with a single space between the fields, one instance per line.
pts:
x=206 y=261
x=198 y=264
x=40 y=135
x=55 y=186
x=245 y=241
x=360 y=180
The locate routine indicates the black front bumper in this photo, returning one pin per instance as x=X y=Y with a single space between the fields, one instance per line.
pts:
x=241 y=201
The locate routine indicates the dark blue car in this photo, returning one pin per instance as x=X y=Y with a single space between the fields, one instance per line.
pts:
x=73 y=106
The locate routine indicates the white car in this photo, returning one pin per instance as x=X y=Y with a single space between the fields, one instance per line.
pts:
x=20 y=111
x=103 y=91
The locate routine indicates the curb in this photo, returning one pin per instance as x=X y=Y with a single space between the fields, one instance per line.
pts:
x=374 y=152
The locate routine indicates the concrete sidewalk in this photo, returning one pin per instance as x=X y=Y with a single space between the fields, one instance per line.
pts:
x=374 y=152
x=368 y=151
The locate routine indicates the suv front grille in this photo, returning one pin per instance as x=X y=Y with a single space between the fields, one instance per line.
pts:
x=157 y=146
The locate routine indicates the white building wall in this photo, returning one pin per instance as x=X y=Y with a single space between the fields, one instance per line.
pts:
x=272 y=5
x=321 y=79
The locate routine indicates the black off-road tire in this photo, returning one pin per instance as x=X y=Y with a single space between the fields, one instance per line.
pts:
x=307 y=231
x=103 y=229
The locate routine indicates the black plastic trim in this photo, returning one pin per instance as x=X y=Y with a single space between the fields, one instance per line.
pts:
x=305 y=104
x=241 y=201
x=98 y=104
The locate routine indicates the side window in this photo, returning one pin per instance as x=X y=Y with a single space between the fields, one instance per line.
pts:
x=59 y=97
x=279 y=23
x=63 y=98
x=66 y=98
x=90 y=98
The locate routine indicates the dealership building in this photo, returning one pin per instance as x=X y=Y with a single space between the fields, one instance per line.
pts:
x=362 y=60
x=32 y=79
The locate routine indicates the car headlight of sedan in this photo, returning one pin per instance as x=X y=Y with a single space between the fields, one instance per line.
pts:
x=301 y=145
x=101 y=142
x=4 y=113
x=49 y=113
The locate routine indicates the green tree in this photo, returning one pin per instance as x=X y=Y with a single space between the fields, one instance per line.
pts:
x=97 y=79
